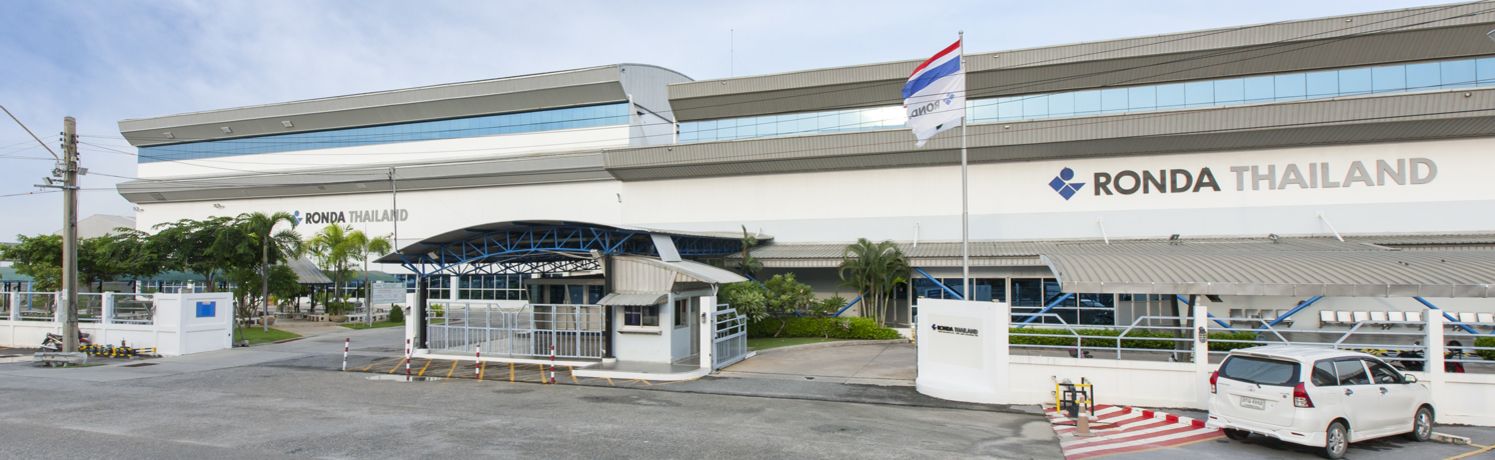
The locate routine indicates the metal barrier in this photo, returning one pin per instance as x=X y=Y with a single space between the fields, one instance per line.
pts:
x=575 y=331
x=36 y=306
x=1403 y=348
x=90 y=307
x=1148 y=338
x=132 y=308
x=730 y=343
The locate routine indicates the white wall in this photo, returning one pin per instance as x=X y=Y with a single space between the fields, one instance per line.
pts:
x=653 y=347
x=175 y=330
x=394 y=153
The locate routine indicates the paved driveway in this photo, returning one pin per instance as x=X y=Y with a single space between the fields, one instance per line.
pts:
x=877 y=363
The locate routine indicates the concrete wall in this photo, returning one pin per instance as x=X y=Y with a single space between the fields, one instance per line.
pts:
x=645 y=346
x=176 y=328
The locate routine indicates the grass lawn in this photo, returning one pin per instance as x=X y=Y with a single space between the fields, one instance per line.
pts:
x=764 y=343
x=256 y=335
x=376 y=325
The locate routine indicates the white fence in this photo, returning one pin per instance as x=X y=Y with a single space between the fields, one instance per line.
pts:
x=531 y=330
x=174 y=324
x=970 y=351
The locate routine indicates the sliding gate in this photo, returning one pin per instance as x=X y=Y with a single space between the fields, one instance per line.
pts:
x=731 y=337
x=535 y=330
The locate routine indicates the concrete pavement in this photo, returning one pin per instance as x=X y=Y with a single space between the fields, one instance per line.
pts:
x=878 y=363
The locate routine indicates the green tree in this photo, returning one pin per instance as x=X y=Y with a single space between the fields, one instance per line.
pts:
x=785 y=296
x=333 y=250
x=874 y=270
x=132 y=250
x=363 y=248
x=273 y=247
x=206 y=247
x=248 y=292
x=749 y=265
x=749 y=298
x=39 y=257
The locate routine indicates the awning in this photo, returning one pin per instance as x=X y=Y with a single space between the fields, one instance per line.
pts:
x=1200 y=269
x=634 y=298
x=307 y=272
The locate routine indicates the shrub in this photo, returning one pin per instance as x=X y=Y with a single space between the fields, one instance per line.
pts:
x=828 y=306
x=832 y=328
x=397 y=314
x=1483 y=342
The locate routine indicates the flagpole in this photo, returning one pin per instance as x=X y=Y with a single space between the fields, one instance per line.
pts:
x=965 y=215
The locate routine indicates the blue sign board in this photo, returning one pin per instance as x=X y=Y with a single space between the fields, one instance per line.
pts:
x=207 y=309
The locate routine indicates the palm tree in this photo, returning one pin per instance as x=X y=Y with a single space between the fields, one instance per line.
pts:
x=874 y=270
x=274 y=246
x=333 y=249
x=363 y=247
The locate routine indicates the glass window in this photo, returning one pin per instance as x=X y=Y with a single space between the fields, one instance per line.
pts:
x=1142 y=98
x=1290 y=87
x=594 y=294
x=1035 y=106
x=1062 y=104
x=1260 y=371
x=1088 y=102
x=984 y=110
x=641 y=316
x=1388 y=78
x=1113 y=100
x=1171 y=95
x=1351 y=372
x=1322 y=84
x=1259 y=89
x=1485 y=71
x=1324 y=374
x=1423 y=76
x=490 y=287
x=1354 y=81
x=1009 y=108
x=1229 y=90
x=1199 y=93
x=682 y=313
x=1457 y=74
x=1027 y=292
x=1381 y=373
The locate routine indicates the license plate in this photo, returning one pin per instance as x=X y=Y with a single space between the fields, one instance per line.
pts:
x=1253 y=403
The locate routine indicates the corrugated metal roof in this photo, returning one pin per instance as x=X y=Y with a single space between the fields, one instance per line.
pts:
x=1191 y=270
x=689 y=270
x=634 y=298
x=308 y=273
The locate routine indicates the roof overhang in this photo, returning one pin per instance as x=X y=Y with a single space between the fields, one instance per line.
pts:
x=634 y=299
x=1368 y=273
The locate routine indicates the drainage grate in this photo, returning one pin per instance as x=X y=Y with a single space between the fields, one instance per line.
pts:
x=139 y=365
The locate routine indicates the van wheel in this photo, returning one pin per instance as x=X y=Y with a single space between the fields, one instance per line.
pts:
x=1336 y=441
x=1238 y=435
x=1422 y=425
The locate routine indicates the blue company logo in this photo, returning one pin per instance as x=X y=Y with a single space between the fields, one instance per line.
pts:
x=1062 y=184
x=296 y=216
x=949 y=98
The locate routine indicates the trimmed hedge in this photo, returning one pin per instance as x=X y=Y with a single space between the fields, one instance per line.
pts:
x=833 y=328
x=1485 y=342
x=1135 y=339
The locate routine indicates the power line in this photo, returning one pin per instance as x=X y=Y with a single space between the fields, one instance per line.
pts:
x=33 y=135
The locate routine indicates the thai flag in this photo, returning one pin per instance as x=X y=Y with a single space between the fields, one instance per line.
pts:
x=935 y=95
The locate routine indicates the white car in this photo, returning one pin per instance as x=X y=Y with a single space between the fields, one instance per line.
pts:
x=1317 y=397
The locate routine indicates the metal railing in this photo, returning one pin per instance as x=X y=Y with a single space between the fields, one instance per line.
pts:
x=1148 y=338
x=133 y=309
x=1401 y=347
x=535 y=330
x=36 y=306
x=90 y=307
x=730 y=338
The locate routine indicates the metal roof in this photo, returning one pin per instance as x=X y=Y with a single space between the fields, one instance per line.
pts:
x=308 y=273
x=1190 y=269
x=634 y=298
x=689 y=270
x=1021 y=253
x=566 y=88
x=1361 y=39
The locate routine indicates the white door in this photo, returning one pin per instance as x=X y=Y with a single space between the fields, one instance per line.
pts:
x=1394 y=410
x=1360 y=398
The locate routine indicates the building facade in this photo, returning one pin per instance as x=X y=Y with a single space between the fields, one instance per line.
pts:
x=1361 y=132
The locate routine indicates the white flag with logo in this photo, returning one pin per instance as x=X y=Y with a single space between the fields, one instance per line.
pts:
x=935 y=95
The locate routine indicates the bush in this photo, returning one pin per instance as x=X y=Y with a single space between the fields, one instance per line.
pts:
x=1139 y=339
x=1485 y=342
x=828 y=306
x=831 y=328
x=397 y=314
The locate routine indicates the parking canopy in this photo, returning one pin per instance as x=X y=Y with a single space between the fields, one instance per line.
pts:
x=1273 y=269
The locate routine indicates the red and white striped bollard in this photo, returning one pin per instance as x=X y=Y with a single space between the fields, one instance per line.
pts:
x=407 y=359
x=346 y=341
x=477 y=366
x=552 y=364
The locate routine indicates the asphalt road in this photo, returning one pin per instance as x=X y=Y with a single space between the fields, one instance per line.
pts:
x=266 y=403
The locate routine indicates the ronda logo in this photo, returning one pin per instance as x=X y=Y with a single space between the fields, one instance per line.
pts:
x=1063 y=185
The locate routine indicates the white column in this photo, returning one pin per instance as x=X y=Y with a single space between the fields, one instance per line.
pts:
x=1433 y=367
x=452 y=293
x=107 y=309
x=708 y=332
x=15 y=306
x=1201 y=351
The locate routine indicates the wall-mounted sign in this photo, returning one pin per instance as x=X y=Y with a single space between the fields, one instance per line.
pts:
x=207 y=309
x=388 y=293
x=957 y=330
x=352 y=216
x=1255 y=177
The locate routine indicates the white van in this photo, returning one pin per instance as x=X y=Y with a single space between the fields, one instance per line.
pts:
x=1317 y=397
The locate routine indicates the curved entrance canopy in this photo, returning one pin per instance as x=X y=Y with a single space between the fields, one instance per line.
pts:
x=549 y=246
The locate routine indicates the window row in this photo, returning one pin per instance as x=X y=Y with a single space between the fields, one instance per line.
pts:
x=487 y=125
x=490 y=287
x=1295 y=86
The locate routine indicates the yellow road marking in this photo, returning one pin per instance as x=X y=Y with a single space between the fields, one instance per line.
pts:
x=397 y=366
x=511 y=372
x=542 y=375
x=422 y=372
x=573 y=374
x=479 y=365
x=609 y=381
x=452 y=370
x=1480 y=450
x=370 y=366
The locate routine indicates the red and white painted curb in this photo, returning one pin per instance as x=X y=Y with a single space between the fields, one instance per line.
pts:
x=1121 y=429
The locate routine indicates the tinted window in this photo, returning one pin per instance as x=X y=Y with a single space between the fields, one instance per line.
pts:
x=1323 y=374
x=1351 y=373
x=1383 y=373
x=1260 y=371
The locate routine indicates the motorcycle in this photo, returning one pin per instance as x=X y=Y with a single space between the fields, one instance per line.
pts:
x=53 y=342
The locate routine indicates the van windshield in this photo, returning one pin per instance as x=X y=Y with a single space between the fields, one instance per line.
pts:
x=1260 y=371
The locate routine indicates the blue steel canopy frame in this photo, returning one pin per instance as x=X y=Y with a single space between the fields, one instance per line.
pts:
x=544 y=247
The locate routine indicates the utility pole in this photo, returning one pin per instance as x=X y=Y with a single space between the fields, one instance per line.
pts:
x=69 y=170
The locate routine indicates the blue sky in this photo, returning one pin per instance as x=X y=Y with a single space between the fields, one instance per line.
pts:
x=103 y=61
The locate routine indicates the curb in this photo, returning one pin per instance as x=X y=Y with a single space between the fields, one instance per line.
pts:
x=833 y=344
x=1449 y=439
